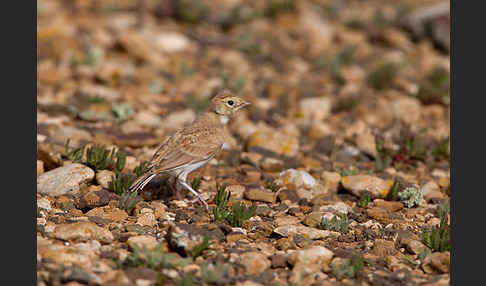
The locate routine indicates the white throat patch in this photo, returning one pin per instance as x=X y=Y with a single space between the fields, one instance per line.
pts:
x=224 y=119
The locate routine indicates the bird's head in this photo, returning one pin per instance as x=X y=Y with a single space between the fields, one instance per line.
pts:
x=226 y=103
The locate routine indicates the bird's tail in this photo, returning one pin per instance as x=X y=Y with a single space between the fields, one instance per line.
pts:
x=140 y=182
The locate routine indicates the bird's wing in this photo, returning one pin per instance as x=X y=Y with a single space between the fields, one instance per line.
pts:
x=187 y=146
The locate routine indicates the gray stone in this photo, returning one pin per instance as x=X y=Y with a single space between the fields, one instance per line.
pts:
x=64 y=179
x=82 y=231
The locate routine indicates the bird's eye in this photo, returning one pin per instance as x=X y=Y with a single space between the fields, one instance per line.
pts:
x=230 y=102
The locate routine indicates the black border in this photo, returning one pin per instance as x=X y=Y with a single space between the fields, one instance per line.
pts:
x=468 y=199
x=18 y=29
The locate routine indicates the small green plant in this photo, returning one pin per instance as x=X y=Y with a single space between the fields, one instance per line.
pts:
x=273 y=187
x=214 y=273
x=197 y=104
x=98 y=158
x=122 y=111
x=155 y=258
x=365 y=200
x=93 y=99
x=438 y=239
x=411 y=197
x=140 y=169
x=190 y=11
x=441 y=150
x=239 y=214
x=424 y=253
x=128 y=200
x=185 y=280
x=120 y=183
x=200 y=248
x=335 y=64
x=196 y=183
x=443 y=209
x=275 y=7
x=221 y=200
x=435 y=88
x=384 y=156
x=383 y=76
x=74 y=154
x=339 y=222
x=393 y=192
x=348 y=269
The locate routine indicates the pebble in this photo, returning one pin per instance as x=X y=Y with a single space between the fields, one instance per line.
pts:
x=279 y=261
x=64 y=179
x=359 y=184
x=95 y=198
x=406 y=109
x=331 y=180
x=392 y=206
x=113 y=214
x=237 y=191
x=82 y=231
x=44 y=203
x=295 y=179
x=378 y=213
x=308 y=232
x=314 y=255
x=255 y=262
x=40 y=167
x=146 y=218
x=278 y=141
x=255 y=194
x=437 y=262
x=432 y=190
x=104 y=178
x=142 y=240
x=315 y=108
x=272 y=165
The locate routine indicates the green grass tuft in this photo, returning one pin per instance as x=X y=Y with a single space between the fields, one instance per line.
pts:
x=221 y=200
x=348 y=269
x=197 y=250
x=383 y=76
x=239 y=214
x=339 y=222
x=365 y=200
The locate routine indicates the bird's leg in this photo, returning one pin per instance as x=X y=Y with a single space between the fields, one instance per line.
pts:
x=185 y=184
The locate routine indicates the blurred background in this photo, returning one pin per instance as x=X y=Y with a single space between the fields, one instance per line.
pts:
x=346 y=85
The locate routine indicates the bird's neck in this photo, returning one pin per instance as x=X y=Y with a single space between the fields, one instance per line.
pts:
x=212 y=118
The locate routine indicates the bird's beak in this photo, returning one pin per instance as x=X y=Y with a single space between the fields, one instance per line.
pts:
x=246 y=103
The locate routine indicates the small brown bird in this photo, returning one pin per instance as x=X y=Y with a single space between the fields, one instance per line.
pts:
x=193 y=146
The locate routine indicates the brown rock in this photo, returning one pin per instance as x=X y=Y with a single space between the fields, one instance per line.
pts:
x=392 y=206
x=40 y=167
x=378 y=213
x=255 y=262
x=142 y=240
x=272 y=165
x=331 y=180
x=437 y=262
x=383 y=248
x=113 y=214
x=94 y=199
x=359 y=184
x=82 y=231
x=286 y=194
x=261 y=195
x=279 y=261
x=237 y=191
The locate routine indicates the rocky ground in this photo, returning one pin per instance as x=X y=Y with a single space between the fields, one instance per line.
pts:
x=339 y=172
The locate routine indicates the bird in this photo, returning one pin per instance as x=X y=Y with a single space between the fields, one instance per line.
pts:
x=192 y=146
